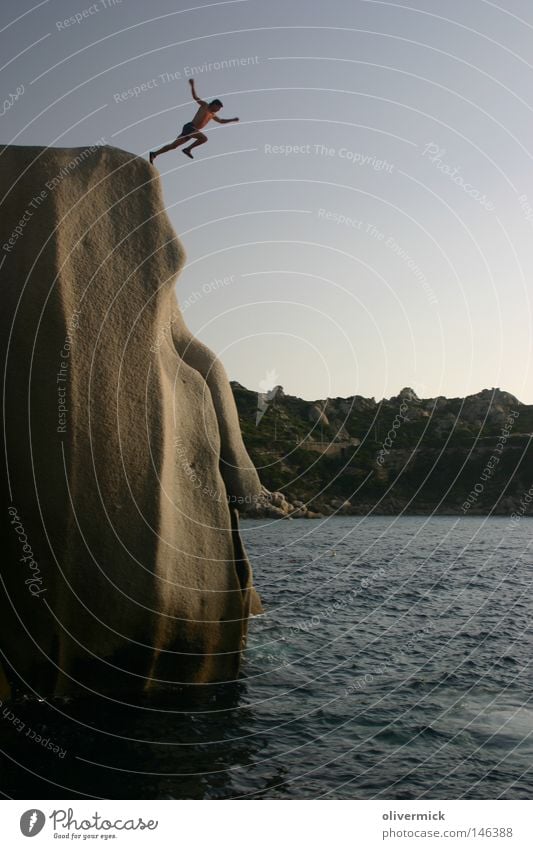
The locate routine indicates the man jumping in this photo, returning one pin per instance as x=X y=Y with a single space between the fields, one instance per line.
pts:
x=191 y=130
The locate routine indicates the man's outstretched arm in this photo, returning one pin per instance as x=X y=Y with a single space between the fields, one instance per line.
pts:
x=224 y=120
x=195 y=96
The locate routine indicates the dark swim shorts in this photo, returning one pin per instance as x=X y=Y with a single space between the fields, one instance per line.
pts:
x=188 y=129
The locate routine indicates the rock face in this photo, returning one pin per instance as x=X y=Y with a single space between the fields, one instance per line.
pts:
x=317 y=415
x=123 y=451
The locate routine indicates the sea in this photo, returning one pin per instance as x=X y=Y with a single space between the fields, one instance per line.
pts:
x=392 y=661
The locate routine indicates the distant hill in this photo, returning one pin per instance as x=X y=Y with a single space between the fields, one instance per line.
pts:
x=471 y=456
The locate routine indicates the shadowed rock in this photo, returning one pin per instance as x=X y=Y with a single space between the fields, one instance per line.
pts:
x=123 y=450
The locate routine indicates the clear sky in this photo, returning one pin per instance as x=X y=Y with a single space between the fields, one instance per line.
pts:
x=368 y=225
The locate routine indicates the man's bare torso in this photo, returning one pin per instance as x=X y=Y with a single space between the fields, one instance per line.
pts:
x=202 y=117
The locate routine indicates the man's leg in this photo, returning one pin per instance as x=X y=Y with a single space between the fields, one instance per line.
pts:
x=200 y=138
x=172 y=146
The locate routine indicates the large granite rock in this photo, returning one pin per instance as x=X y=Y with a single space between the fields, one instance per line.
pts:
x=123 y=456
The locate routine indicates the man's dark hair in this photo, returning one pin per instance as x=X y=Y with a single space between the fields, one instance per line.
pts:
x=216 y=102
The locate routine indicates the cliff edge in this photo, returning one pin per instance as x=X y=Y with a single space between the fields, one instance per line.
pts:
x=123 y=453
